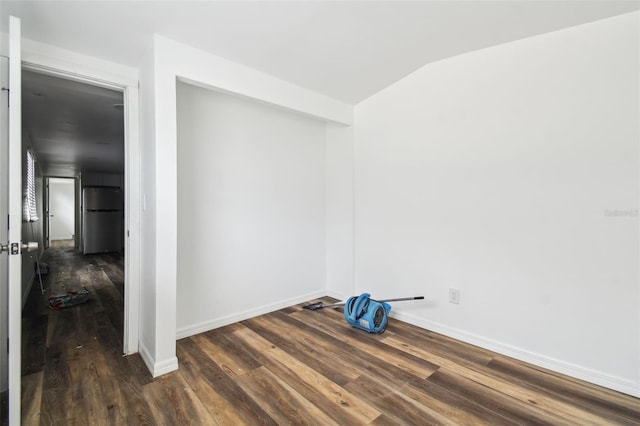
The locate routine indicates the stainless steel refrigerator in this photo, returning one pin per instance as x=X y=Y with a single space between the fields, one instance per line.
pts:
x=102 y=222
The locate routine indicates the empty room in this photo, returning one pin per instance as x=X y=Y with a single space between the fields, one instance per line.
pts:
x=290 y=170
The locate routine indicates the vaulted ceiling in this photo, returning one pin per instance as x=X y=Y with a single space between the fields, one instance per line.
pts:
x=347 y=50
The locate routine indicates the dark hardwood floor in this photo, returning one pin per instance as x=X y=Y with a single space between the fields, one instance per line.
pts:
x=291 y=366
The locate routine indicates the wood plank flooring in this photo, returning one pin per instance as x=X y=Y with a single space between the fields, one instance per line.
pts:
x=291 y=366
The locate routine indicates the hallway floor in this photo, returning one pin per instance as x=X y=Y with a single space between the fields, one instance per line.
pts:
x=70 y=357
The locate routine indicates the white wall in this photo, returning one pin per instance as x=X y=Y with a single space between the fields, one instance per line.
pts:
x=148 y=241
x=511 y=173
x=339 y=210
x=32 y=232
x=167 y=62
x=251 y=208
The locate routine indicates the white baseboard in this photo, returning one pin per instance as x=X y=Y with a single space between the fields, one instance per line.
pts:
x=146 y=356
x=213 y=323
x=164 y=367
x=157 y=368
x=592 y=376
x=336 y=295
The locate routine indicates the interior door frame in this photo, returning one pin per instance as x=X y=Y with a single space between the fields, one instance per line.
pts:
x=129 y=88
x=46 y=226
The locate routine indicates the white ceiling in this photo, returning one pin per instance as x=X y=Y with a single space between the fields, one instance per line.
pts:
x=345 y=50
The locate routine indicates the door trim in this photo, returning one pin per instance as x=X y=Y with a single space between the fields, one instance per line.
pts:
x=79 y=72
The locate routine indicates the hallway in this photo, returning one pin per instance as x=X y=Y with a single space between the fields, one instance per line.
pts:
x=73 y=355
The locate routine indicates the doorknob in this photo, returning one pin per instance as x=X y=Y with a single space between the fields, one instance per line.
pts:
x=11 y=248
x=30 y=246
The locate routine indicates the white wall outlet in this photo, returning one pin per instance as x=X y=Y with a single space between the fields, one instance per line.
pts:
x=454 y=295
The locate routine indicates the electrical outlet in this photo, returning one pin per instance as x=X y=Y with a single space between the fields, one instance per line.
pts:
x=454 y=295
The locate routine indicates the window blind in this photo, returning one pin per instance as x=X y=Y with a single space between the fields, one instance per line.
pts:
x=30 y=210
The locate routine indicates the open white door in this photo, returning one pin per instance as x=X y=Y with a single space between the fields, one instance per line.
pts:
x=14 y=245
x=4 y=237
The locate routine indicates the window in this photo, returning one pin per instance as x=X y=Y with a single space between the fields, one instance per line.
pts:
x=30 y=211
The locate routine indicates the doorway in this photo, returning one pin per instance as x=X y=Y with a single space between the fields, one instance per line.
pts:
x=61 y=209
x=76 y=131
x=76 y=67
